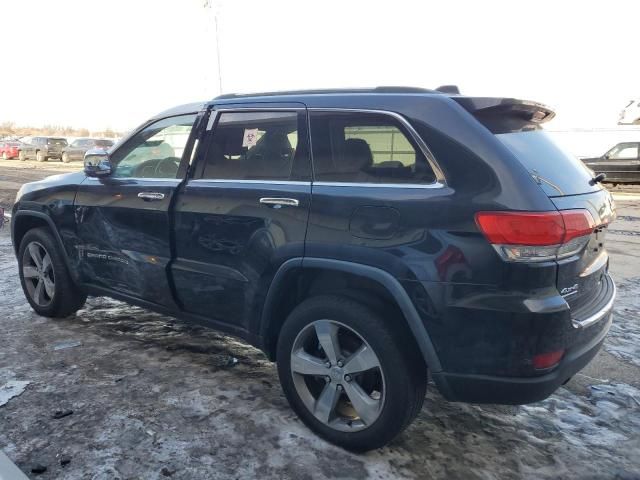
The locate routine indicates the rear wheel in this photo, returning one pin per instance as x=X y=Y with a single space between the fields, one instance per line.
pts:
x=4 y=156
x=40 y=156
x=21 y=156
x=351 y=377
x=44 y=276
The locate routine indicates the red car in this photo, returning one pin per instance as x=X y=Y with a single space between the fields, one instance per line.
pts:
x=9 y=150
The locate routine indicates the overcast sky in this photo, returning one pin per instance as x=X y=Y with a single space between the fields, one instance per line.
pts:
x=113 y=63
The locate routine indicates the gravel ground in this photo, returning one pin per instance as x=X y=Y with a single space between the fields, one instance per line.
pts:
x=155 y=398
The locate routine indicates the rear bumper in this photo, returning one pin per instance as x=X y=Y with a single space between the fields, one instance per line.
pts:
x=521 y=390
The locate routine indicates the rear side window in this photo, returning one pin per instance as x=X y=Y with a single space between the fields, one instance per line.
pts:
x=57 y=141
x=257 y=146
x=556 y=171
x=355 y=147
x=104 y=143
x=623 y=151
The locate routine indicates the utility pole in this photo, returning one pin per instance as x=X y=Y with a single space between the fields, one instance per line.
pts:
x=213 y=7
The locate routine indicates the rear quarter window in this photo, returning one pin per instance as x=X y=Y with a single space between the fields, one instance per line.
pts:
x=363 y=147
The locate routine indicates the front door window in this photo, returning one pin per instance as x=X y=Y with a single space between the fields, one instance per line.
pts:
x=155 y=151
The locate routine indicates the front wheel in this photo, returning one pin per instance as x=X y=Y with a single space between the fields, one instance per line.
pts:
x=21 y=156
x=40 y=157
x=4 y=156
x=351 y=376
x=45 y=278
x=65 y=158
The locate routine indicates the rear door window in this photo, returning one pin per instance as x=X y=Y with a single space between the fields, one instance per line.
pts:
x=359 y=147
x=258 y=146
x=557 y=172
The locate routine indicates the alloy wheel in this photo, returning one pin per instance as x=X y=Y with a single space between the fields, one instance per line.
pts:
x=38 y=274
x=338 y=376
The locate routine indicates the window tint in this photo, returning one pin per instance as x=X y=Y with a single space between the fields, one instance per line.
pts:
x=155 y=151
x=254 y=146
x=624 y=151
x=365 y=148
x=556 y=171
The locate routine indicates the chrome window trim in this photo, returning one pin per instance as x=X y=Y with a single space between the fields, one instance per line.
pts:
x=137 y=179
x=440 y=180
x=249 y=182
x=380 y=185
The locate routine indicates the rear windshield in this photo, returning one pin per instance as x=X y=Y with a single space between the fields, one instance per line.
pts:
x=556 y=171
x=57 y=141
x=104 y=143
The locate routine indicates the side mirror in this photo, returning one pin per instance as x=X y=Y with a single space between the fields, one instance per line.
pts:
x=97 y=163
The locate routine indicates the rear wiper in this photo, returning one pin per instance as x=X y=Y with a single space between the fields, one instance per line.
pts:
x=599 y=178
x=540 y=180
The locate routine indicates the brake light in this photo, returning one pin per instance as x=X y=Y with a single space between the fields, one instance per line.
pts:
x=536 y=236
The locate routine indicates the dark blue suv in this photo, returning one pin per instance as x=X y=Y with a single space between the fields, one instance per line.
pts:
x=361 y=238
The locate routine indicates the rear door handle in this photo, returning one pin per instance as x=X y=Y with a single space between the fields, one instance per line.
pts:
x=279 y=202
x=151 y=196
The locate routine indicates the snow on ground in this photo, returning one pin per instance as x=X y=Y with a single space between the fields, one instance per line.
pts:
x=11 y=389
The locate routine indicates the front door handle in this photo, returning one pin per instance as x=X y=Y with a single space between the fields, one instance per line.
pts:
x=279 y=202
x=151 y=196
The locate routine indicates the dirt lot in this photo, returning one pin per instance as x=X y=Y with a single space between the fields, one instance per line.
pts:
x=155 y=398
x=14 y=173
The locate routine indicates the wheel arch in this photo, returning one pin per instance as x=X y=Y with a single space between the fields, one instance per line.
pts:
x=25 y=220
x=294 y=274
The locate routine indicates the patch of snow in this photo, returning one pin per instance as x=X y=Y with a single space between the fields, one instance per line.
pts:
x=11 y=389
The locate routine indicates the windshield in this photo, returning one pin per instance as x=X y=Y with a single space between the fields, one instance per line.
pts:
x=104 y=143
x=557 y=172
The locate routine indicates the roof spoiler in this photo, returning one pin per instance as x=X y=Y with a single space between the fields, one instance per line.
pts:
x=452 y=89
x=503 y=115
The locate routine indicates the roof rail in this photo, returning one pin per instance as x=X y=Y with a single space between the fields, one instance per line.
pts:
x=383 y=89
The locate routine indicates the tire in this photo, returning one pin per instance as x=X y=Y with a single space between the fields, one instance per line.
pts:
x=47 y=284
x=65 y=158
x=392 y=385
x=21 y=156
x=40 y=156
x=4 y=156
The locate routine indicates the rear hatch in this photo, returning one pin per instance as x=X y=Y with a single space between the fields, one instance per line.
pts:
x=581 y=277
x=55 y=145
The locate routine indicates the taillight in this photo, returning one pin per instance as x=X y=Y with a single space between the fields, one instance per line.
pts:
x=536 y=236
x=547 y=360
